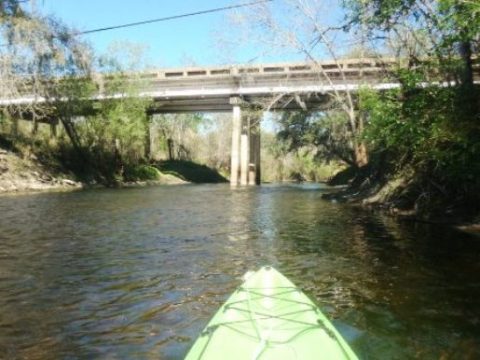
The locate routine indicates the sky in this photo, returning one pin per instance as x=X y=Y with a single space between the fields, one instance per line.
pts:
x=180 y=42
x=176 y=43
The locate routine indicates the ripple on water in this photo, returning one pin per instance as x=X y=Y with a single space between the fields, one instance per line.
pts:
x=137 y=273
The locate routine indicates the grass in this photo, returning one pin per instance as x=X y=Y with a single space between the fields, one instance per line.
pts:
x=190 y=171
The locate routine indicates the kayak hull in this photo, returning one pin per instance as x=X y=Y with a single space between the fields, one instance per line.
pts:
x=267 y=317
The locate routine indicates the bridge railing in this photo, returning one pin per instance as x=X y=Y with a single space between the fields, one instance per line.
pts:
x=354 y=71
x=373 y=65
x=351 y=71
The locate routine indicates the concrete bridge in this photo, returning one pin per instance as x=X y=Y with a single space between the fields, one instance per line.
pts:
x=210 y=89
x=273 y=87
x=287 y=86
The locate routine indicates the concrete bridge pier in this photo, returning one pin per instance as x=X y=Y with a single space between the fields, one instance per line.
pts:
x=254 y=174
x=235 y=152
x=244 y=151
x=245 y=155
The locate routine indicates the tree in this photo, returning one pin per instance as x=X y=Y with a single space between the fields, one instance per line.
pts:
x=178 y=134
x=215 y=152
x=112 y=131
x=327 y=131
x=302 y=27
x=429 y=127
x=446 y=30
x=42 y=59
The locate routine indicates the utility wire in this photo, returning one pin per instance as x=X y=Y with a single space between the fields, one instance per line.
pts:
x=225 y=8
x=203 y=12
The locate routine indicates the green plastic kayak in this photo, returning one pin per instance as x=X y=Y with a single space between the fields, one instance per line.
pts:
x=267 y=317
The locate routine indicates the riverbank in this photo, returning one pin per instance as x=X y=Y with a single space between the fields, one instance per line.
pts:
x=24 y=175
x=406 y=195
x=19 y=174
x=24 y=171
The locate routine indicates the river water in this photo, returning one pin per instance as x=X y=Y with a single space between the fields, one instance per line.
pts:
x=137 y=273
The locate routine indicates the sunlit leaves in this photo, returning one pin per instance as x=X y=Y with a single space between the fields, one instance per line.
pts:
x=427 y=129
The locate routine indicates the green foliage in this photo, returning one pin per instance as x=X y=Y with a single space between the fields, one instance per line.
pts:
x=180 y=132
x=378 y=12
x=112 y=132
x=308 y=165
x=141 y=173
x=428 y=129
x=329 y=132
x=453 y=15
x=282 y=162
x=447 y=31
x=461 y=18
x=102 y=141
x=119 y=125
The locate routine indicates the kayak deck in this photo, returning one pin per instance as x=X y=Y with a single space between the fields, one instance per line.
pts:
x=267 y=317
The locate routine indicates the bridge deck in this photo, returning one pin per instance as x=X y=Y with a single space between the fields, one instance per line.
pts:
x=210 y=88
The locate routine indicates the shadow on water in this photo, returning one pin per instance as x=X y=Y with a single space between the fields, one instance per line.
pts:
x=137 y=273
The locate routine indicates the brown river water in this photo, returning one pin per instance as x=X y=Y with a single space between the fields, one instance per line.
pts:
x=137 y=273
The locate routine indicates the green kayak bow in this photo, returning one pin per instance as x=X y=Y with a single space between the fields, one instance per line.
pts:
x=267 y=317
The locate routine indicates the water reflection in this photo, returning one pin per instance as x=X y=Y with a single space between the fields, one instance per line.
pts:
x=137 y=273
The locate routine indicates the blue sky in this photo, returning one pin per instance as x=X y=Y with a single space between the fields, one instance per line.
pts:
x=178 y=42
x=175 y=43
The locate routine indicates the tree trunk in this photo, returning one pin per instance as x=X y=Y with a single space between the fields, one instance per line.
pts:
x=469 y=93
x=71 y=132
x=148 y=140
x=466 y=54
x=361 y=154
x=14 y=128
x=34 y=126
x=170 y=149
x=359 y=147
x=118 y=157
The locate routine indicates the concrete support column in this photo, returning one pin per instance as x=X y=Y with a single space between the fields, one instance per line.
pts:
x=258 y=146
x=256 y=141
x=245 y=151
x=251 y=162
x=254 y=175
x=245 y=161
x=236 y=130
x=251 y=165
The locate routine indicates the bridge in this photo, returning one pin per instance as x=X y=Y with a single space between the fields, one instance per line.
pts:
x=274 y=86
x=287 y=86
x=211 y=89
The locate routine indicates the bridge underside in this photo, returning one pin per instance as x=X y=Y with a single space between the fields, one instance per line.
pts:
x=247 y=112
x=222 y=103
x=237 y=88
x=246 y=118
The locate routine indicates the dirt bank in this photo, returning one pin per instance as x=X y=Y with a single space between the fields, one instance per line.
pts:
x=24 y=173
x=406 y=197
x=20 y=174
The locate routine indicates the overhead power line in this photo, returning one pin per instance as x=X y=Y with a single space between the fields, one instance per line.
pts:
x=225 y=8
x=203 y=12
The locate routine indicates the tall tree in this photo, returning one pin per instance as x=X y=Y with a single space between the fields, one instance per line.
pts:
x=305 y=27
x=451 y=28
x=38 y=55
